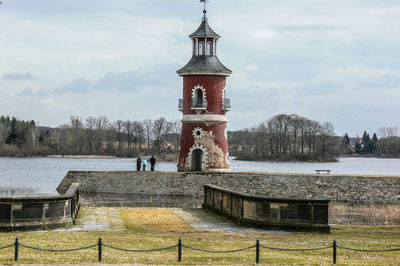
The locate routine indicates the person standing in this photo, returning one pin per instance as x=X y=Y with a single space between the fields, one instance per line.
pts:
x=144 y=162
x=138 y=163
x=152 y=162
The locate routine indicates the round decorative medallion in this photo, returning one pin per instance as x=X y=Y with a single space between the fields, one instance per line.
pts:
x=198 y=133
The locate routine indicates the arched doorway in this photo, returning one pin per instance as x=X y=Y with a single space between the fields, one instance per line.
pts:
x=197 y=160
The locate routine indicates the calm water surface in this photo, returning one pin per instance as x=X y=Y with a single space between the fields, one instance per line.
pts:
x=21 y=176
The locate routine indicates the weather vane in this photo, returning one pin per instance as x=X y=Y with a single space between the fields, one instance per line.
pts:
x=204 y=1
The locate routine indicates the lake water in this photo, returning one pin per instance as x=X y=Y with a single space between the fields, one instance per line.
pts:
x=22 y=176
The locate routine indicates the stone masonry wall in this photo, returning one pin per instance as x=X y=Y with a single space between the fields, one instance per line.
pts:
x=366 y=189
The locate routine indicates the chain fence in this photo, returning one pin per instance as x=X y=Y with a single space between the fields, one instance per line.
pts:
x=58 y=250
x=100 y=245
x=218 y=251
x=370 y=250
x=8 y=246
x=140 y=250
x=296 y=249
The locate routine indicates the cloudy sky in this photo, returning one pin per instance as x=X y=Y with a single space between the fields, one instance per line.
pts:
x=331 y=60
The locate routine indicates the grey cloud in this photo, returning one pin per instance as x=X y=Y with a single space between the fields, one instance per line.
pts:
x=26 y=92
x=385 y=81
x=78 y=85
x=129 y=80
x=156 y=76
x=158 y=8
x=319 y=88
x=298 y=28
x=18 y=76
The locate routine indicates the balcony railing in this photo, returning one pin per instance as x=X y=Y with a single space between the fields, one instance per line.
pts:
x=226 y=104
x=180 y=105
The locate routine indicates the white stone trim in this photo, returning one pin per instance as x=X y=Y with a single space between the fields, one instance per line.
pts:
x=219 y=170
x=224 y=93
x=228 y=161
x=198 y=130
x=213 y=73
x=204 y=162
x=198 y=87
x=203 y=118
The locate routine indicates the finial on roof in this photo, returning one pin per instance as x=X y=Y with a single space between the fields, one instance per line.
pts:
x=205 y=9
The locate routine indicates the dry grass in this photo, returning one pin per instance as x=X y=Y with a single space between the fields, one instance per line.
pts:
x=160 y=220
x=155 y=234
x=363 y=215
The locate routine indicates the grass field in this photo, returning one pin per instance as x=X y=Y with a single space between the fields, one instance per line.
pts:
x=157 y=228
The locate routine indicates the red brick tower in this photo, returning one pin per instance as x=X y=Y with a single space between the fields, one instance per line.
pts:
x=204 y=143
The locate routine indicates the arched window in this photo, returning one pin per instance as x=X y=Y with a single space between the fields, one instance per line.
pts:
x=201 y=48
x=199 y=98
x=209 y=49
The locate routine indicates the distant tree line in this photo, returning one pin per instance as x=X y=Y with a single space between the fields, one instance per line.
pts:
x=286 y=137
x=388 y=145
x=89 y=136
x=282 y=137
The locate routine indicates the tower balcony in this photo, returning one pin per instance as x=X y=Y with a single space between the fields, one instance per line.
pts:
x=180 y=105
x=226 y=104
x=198 y=105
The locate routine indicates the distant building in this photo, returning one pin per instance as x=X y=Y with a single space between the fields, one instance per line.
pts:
x=204 y=142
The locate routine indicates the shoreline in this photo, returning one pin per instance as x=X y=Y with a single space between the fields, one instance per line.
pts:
x=81 y=156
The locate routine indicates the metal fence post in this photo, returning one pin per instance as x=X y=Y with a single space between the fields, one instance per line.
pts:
x=100 y=249
x=257 y=251
x=16 y=249
x=180 y=250
x=334 y=251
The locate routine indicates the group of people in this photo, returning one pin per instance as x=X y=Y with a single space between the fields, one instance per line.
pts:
x=142 y=162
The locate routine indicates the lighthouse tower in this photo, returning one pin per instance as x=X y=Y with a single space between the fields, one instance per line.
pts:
x=204 y=143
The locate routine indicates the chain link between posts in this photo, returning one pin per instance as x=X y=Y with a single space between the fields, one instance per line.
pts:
x=218 y=251
x=140 y=250
x=58 y=250
x=369 y=250
x=8 y=246
x=296 y=249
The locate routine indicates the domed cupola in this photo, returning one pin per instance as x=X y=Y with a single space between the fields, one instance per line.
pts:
x=204 y=56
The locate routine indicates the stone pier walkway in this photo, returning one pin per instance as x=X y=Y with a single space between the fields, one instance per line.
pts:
x=100 y=218
x=104 y=218
x=204 y=220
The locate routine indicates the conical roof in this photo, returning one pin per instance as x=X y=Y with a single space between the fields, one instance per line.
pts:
x=204 y=30
x=205 y=65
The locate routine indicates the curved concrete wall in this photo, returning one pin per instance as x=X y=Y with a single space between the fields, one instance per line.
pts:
x=265 y=212
x=39 y=212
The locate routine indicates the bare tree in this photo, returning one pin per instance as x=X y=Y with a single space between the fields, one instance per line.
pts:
x=76 y=133
x=128 y=130
x=385 y=132
x=176 y=130
x=118 y=125
x=286 y=137
x=161 y=127
x=4 y=131
x=102 y=126
x=90 y=124
x=148 y=127
x=138 y=131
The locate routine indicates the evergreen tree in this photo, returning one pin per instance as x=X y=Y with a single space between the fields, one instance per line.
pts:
x=374 y=141
x=358 y=148
x=346 y=140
